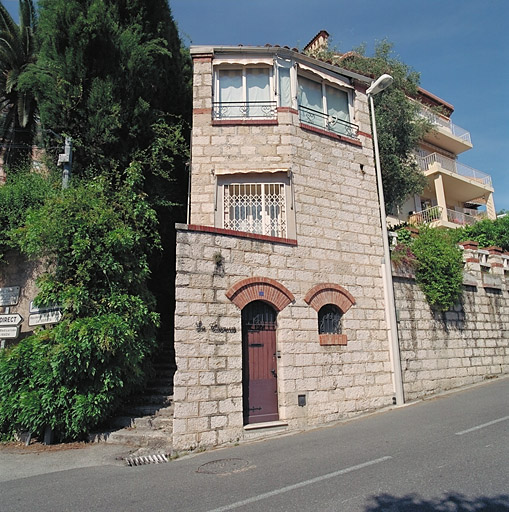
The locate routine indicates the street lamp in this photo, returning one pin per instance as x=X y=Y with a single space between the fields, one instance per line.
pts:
x=377 y=86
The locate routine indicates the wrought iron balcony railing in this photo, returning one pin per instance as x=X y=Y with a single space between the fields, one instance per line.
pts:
x=425 y=162
x=329 y=123
x=446 y=123
x=244 y=110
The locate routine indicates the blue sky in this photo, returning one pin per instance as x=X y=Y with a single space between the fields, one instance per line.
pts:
x=460 y=47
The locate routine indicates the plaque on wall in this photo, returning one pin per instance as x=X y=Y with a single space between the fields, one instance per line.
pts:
x=9 y=296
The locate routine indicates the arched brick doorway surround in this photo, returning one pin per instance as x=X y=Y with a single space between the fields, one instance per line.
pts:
x=260 y=288
x=259 y=299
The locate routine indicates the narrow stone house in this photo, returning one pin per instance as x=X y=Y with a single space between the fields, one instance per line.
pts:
x=279 y=319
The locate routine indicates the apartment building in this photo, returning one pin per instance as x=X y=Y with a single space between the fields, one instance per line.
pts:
x=456 y=194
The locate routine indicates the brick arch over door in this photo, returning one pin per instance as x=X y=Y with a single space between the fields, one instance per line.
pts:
x=329 y=293
x=260 y=288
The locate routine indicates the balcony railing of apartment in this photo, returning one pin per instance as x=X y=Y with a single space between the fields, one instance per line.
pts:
x=244 y=110
x=478 y=214
x=426 y=216
x=329 y=123
x=460 y=218
x=456 y=130
x=455 y=217
x=425 y=162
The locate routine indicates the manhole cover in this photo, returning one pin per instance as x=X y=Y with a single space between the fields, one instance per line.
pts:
x=223 y=466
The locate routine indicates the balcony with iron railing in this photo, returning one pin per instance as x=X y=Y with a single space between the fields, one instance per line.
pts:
x=448 y=135
x=426 y=162
x=434 y=215
x=327 y=123
x=244 y=110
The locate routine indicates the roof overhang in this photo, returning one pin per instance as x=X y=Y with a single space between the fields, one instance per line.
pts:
x=251 y=52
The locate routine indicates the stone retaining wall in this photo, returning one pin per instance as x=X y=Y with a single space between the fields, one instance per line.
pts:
x=462 y=346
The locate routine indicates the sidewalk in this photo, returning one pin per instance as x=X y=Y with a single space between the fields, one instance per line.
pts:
x=20 y=461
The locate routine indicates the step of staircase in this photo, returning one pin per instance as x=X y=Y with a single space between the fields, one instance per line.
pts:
x=148 y=426
x=146 y=422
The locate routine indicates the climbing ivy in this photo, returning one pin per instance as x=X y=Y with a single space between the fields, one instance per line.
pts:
x=437 y=261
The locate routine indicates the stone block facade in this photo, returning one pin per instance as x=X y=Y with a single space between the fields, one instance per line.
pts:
x=318 y=272
x=337 y=380
x=330 y=253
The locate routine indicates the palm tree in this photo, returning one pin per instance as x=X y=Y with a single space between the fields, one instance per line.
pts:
x=18 y=108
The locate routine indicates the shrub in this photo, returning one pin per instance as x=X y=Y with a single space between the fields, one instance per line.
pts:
x=73 y=376
x=487 y=233
x=439 y=267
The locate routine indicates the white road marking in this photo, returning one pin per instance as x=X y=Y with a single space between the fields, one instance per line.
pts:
x=505 y=418
x=305 y=483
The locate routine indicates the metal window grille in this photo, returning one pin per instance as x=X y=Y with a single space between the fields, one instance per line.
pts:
x=258 y=315
x=329 y=320
x=255 y=208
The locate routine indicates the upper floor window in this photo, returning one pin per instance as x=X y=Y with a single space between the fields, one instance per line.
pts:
x=255 y=208
x=325 y=107
x=244 y=93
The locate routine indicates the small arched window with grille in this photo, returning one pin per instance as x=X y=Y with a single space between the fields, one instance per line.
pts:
x=329 y=319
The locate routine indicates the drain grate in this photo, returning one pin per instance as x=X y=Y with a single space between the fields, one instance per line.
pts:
x=223 y=466
x=143 y=460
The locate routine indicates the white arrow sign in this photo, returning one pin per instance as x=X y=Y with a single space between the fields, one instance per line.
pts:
x=42 y=309
x=50 y=317
x=10 y=319
x=9 y=333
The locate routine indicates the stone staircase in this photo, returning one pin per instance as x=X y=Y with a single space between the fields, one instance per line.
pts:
x=146 y=423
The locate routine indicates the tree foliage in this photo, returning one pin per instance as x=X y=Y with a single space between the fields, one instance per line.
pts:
x=74 y=375
x=111 y=75
x=399 y=126
x=22 y=192
x=18 y=121
x=107 y=73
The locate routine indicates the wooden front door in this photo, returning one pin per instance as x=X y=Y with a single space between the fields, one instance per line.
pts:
x=259 y=363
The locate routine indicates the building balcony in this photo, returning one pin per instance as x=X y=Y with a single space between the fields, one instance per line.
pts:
x=244 y=110
x=446 y=134
x=327 y=123
x=435 y=162
x=439 y=217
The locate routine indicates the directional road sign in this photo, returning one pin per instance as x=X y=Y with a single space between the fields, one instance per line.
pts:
x=9 y=333
x=49 y=317
x=32 y=308
x=10 y=320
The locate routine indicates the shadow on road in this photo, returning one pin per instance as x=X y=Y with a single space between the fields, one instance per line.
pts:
x=448 y=503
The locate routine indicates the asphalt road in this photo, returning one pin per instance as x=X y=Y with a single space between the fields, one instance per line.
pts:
x=450 y=454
